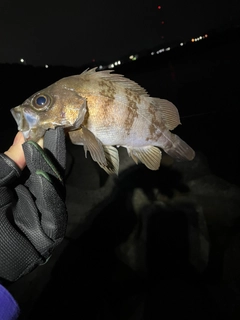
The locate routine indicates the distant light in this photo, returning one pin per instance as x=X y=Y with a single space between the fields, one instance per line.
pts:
x=152 y=53
x=133 y=57
x=159 y=7
x=206 y=35
x=162 y=37
x=119 y=62
x=200 y=37
x=100 y=67
x=181 y=44
x=162 y=22
x=168 y=48
x=192 y=40
x=111 y=65
x=115 y=63
x=22 y=60
x=160 y=50
x=46 y=65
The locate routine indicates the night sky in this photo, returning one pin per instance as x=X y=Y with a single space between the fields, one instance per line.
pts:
x=76 y=32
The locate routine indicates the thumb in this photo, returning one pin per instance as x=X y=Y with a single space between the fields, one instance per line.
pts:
x=15 y=152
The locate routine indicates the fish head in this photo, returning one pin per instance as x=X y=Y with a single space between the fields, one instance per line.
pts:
x=57 y=105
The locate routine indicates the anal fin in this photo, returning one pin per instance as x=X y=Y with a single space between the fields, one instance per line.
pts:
x=148 y=155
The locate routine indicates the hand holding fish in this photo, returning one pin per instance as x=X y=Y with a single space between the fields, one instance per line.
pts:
x=33 y=215
x=102 y=110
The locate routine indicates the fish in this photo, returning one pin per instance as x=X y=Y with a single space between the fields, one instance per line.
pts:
x=102 y=111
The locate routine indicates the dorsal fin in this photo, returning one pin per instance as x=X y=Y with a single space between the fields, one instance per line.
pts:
x=168 y=112
x=119 y=78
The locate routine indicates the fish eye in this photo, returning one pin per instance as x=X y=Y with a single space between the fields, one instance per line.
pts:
x=41 y=102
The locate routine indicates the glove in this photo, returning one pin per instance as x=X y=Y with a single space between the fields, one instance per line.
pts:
x=33 y=216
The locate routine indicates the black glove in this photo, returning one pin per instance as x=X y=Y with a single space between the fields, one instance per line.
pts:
x=33 y=216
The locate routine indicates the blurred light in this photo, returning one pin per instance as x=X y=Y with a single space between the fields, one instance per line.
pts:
x=168 y=48
x=22 y=60
x=119 y=62
x=133 y=57
x=200 y=37
x=181 y=44
x=159 y=7
x=192 y=40
x=162 y=37
x=46 y=65
x=100 y=67
x=206 y=35
x=115 y=63
x=152 y=53
x=111 y=65
x=160 y=50
x=162 y=22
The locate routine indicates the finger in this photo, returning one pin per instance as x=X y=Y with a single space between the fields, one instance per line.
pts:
x=15 y=152
x=50 y=204
x=54 y=142
x=37 y=159
x=26 y=216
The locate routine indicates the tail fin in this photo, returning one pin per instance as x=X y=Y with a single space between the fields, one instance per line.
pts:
x=180 y=150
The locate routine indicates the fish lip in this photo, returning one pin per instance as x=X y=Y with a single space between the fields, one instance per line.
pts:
x=26 y=120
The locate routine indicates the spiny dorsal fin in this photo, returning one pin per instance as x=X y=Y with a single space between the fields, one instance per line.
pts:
x=119 y=78
x=168 y=112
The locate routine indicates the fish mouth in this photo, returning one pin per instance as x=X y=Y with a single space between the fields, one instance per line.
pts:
x=27 y=122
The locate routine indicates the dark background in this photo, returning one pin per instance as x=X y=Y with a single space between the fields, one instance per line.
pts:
x=185 y=240
x=74 y=33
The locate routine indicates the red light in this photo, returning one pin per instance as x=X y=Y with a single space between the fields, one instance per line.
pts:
x=162 y=22
x=159 y=7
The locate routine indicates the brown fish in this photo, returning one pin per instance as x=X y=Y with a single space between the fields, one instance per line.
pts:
x=102 y=110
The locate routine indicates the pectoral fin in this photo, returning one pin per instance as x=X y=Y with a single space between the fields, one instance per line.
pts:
x=105 y=156
x=149 y=155
x=112 y=158
x=90 y=143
